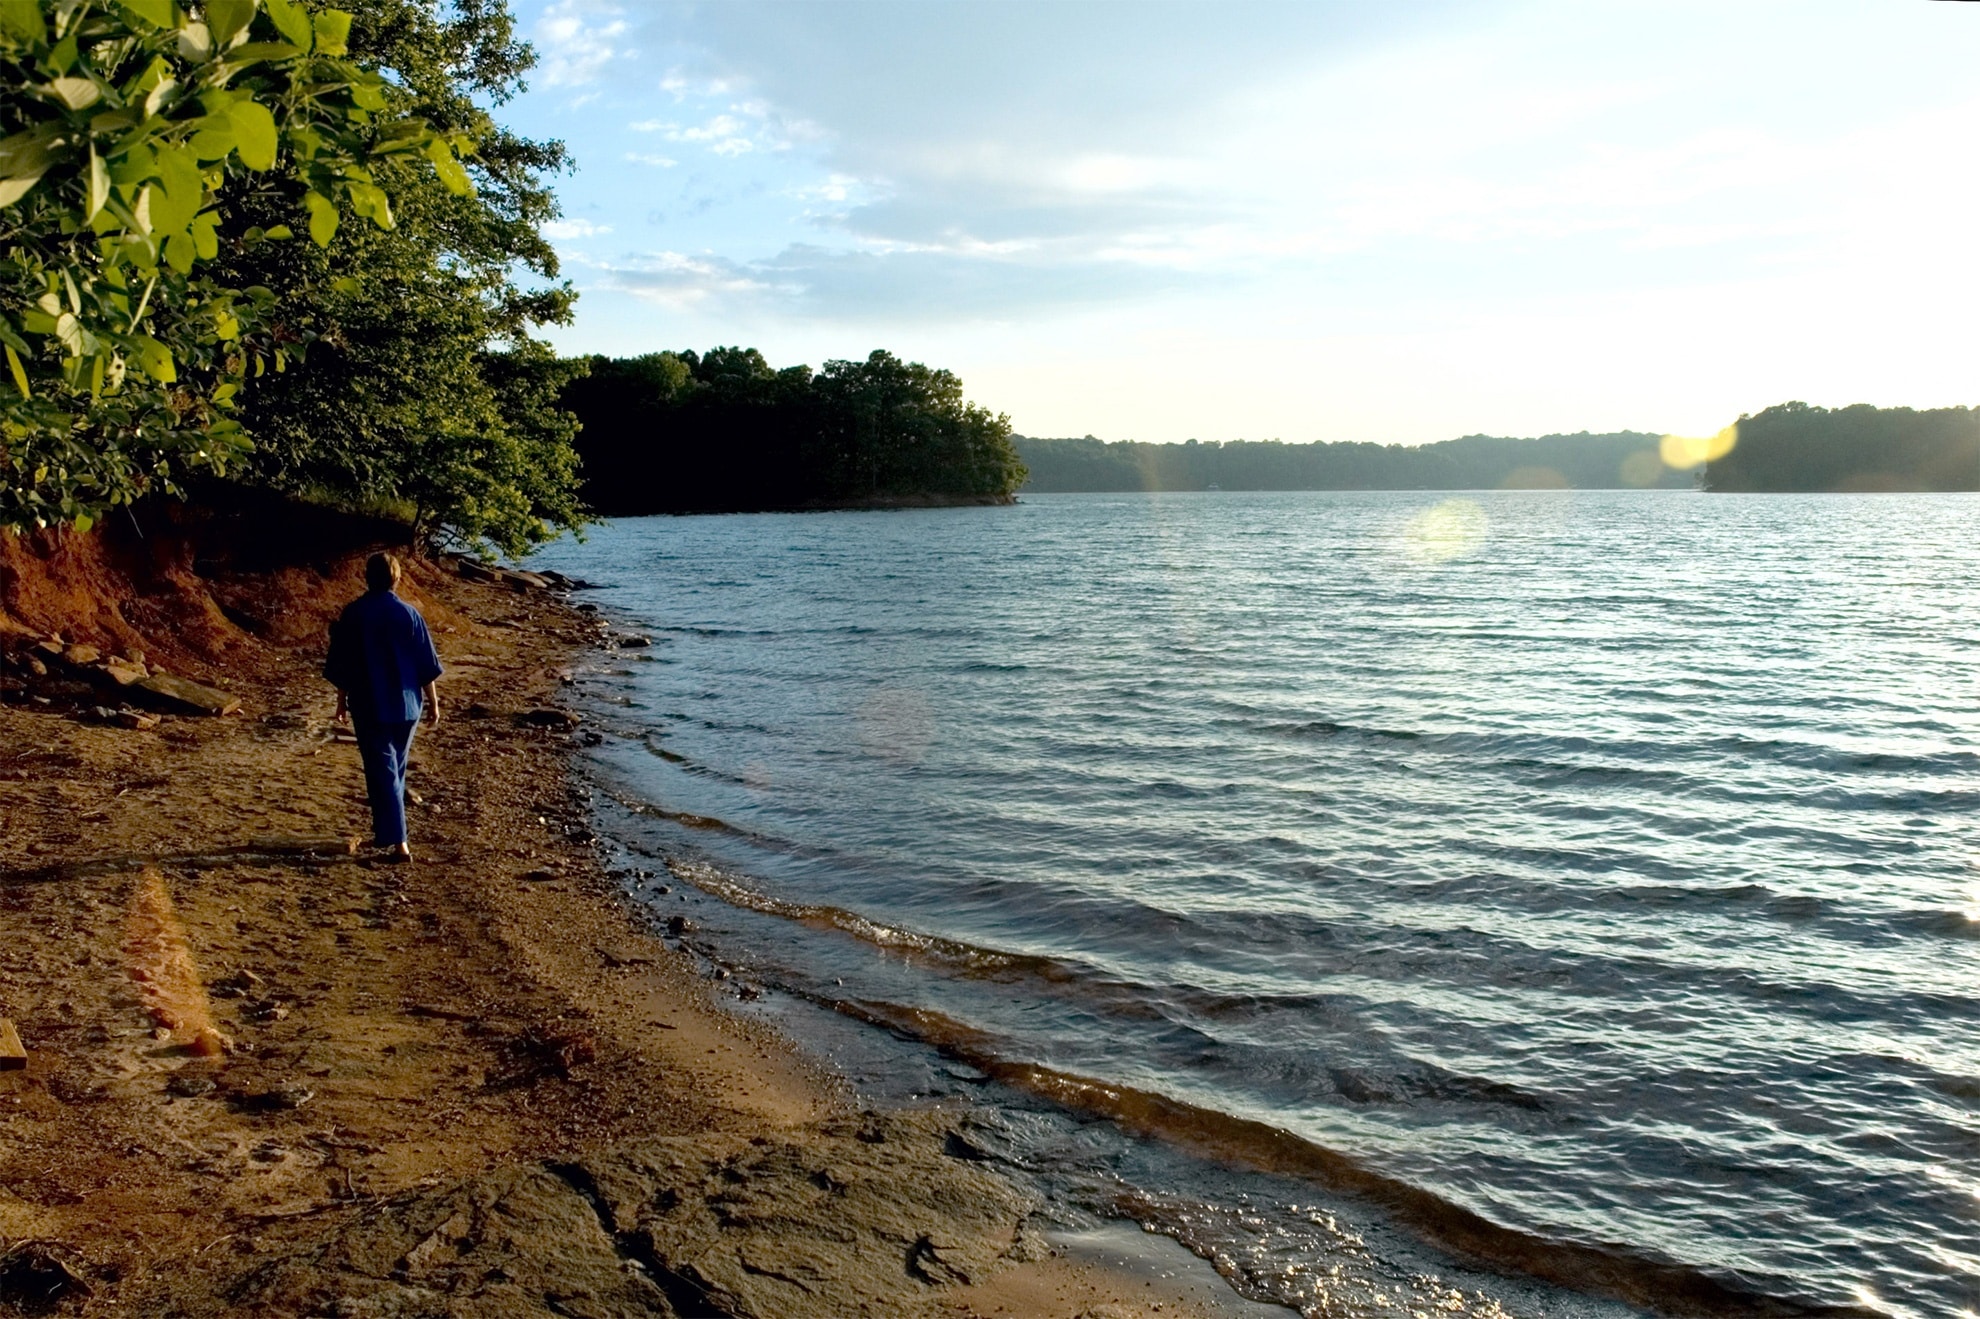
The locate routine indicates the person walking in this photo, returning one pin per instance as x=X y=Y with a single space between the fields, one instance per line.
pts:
x=384 y=667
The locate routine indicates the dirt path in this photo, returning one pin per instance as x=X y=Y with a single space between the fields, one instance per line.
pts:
x=266 y=1076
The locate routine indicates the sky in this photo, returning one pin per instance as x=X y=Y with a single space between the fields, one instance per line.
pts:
x=1400 y=221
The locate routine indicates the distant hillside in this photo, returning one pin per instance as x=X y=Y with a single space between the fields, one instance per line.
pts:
x=1793 y=447
x=1475 y=462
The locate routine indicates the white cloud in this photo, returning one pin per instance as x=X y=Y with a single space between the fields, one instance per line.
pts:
x=575 y=229
x=651 y=158
x=679 y=281
x=576 y=40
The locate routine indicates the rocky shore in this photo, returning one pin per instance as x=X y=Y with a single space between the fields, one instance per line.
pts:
x=262 y=1074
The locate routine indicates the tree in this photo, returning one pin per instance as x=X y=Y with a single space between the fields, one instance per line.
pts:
x=424 y=390
x=677 y=432
x=142 y=151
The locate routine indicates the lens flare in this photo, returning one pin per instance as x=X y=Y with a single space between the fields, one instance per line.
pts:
x=1682 y=451
x=1641 y=469
x=1444 y=531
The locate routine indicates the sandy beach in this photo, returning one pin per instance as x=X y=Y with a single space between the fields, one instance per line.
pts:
x=265 y=1075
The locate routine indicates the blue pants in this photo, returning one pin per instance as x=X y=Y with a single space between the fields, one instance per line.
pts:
x=384 y=749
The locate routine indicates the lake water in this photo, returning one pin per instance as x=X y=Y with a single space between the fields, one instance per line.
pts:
x=1580 y=885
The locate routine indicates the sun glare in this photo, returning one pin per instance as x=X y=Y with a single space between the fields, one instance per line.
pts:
x=1444 y=531
x=1682 y=451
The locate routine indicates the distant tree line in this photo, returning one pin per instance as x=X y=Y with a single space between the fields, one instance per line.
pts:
x=687 y=432
x=1794 y=447
x=1475 y=462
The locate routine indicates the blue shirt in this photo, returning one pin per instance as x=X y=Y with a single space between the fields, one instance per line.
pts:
x=380 y=658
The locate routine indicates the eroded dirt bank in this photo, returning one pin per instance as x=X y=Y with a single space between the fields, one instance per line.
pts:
x=269 y=1077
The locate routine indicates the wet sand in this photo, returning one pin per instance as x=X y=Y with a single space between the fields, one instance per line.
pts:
x=267 y=1076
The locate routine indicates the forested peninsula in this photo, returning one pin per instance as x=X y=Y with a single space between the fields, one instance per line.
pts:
x=1793 y=447
x=724 y=431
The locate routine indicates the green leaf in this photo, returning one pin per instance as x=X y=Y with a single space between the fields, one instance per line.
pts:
x=28 y=152
x=76 y=93
x=370 y=201
x=215 y=137
x=180 y=251
x=195 y=42
x=256 y=51
x=22 y=20
x=205 y=235
x=254 y=134
x=62 y=57
x=19 y=372
x=291 y=20
x=227 y=17
x=184 y=190
x=12 y=190
x=278 y=233
x=156 y=359
x=448 y=168
x=158 y=13
x=99 y=184
x=333 y=32
x=83 y=523
x=322 y=218
x=369 y=95
x=70 y=331
x=160 y=92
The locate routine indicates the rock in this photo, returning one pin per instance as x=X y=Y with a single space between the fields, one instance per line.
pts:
x=81 y=657
x=520 y=581
x=53 y=647
x=208 y=1043
x=476 y=571
x=634 y=641
x=812 y=1223
x=238 y=985
x=679 y=925
x=539 y=876
x=36 y=667
x=183 y=694
x=561 y=720
x=13 y=1057
x=189 y=1085
x=135 y=719
x=123 y=674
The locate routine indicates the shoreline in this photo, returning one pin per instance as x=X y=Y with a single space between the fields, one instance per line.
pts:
x=266 y=1076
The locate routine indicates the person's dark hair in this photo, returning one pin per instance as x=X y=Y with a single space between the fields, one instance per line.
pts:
x=381 y=572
